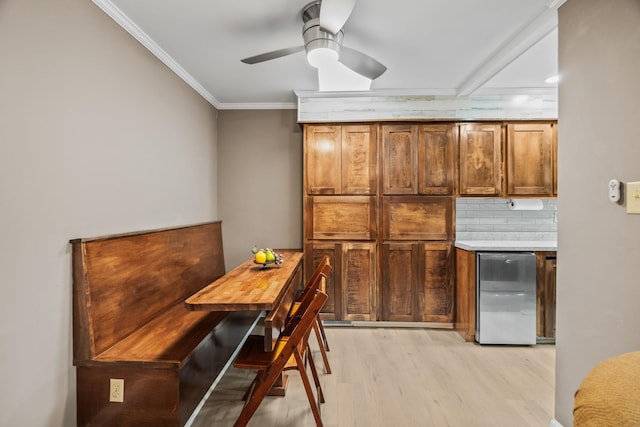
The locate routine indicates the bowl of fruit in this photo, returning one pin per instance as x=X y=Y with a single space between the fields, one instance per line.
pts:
x=266 y=256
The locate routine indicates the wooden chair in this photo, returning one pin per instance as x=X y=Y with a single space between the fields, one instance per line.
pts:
x=270 y=365
x=322 y=271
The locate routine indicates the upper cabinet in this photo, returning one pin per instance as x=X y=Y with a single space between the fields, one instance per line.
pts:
x=418 y=159
x=341 y=159
x=399 y=159
x=530 y=155
x=480 y=159
x=435 y=159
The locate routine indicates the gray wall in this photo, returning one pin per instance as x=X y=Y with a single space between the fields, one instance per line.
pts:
x=97 y=136
x=260 y=181
x=598 y=287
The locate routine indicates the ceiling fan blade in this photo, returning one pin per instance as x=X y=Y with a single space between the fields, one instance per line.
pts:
x=272 y=55
x=334 y=13
x=361 y=63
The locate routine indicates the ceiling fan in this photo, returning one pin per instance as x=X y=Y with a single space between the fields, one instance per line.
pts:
x=322 y=35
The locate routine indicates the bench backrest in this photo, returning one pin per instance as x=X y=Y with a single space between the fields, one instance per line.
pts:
x=122 y=282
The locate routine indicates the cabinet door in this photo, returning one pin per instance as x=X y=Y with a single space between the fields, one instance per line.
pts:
x=550 y=297
x=417 y=281
x=465 y=312
x=546 y=294
x=359 y=160
x=359 y=281
x=417 y=217
x=435 y=159
x=399 y=281
x=480 y=159
x=436 y=287
x=399 y=157
x=529 y=159
x=341 y=217
x=323 y=150
x=554 y=154
x=314 y=252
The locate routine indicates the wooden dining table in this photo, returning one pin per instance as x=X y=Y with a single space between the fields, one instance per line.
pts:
x=255 y=287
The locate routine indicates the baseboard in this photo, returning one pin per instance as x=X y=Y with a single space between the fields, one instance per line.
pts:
x=385 y=324
x=554 y=423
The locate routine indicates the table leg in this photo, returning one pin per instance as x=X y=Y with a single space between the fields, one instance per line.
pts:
x=279 y=388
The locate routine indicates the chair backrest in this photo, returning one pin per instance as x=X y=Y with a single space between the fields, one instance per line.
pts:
x=297 y=329
x=318 y=279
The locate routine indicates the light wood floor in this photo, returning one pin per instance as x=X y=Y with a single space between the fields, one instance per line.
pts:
x=405 y=377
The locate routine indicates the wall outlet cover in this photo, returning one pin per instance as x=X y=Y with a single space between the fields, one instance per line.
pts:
x=116 y=390
x=633 y=197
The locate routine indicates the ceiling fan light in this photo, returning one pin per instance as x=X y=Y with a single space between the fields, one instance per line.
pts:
x=552 y=79
x=322 y=56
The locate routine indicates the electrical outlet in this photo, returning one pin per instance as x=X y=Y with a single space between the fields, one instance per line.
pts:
x=116 y=390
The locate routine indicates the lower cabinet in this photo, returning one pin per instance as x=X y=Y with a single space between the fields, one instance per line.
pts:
x=417 y=281
x=546 y=294
x=351 y=287
x=465 y=313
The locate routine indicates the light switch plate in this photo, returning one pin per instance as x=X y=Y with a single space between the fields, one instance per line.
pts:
x=633 y=197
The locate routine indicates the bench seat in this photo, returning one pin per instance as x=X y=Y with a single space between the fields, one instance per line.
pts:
x=166 y=340
x=130 y=323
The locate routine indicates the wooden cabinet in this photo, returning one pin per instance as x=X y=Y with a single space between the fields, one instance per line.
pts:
x=379 y=199
x=530 y=159
x=352 y=285
x=399 y=159
x=465 y=312
x=417 y=281
x=417 y=217
x=480 y=159
x=436 y=159
x=418 y=159
x=341 y=159
x=546 y=294
x=343 y=217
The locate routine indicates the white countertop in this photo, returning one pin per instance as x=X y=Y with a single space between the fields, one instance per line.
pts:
x=507 y=245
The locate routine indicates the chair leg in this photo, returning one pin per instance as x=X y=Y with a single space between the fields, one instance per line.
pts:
x=325 y=359
x=324 y=336
x=261 y=387
x=316 y=379
x=307 y=387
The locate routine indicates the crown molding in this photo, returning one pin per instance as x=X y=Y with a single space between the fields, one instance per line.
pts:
x=123 y=20
x=258 y=106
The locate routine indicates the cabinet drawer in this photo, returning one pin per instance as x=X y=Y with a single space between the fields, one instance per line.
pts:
x=341 y=217
x=417 y=217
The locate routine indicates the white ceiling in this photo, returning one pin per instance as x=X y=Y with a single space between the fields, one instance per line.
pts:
x=430 y=47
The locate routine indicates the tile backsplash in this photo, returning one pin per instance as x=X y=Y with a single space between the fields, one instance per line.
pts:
x=491 y=219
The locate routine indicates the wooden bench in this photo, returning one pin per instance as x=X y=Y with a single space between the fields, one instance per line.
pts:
x=130 y=323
